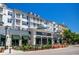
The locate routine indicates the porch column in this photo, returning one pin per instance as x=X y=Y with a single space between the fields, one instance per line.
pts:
x=58 y=41
x=8 y=40
x=47 y=40
x=41 y=40
x=33 y=37
x=20 y=42
x=52 y=41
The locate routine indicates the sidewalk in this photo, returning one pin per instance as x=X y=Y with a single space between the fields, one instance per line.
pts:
x=6 y=52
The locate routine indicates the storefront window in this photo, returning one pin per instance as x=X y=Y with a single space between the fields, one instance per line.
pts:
x=48 y=34
x=2 y=40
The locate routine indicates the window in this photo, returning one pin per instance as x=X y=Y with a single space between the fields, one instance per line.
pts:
x=27 y=23
x=48 y=34
x=40 y=33
x=29 y=32
x=40 y=20
x=34 y=18
x=34 y=24
x=18 y=15
x=0 y=17
x=31 y=23
x=17 y=28
x=9 y=20
x=23 y=29
x=9 y=13
x=54 y=29
x=24 y=23
x=38 y=25
x=27 y=17
x=24 y=16
x=54 y=24
x=17 y=21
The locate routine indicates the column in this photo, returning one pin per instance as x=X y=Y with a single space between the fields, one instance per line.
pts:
x=47 y=40
x=52 y=41
x=34 y=40
x=20 y=42
x=8 y=40
x=58 y=40
x=33 y=33
x=41 y=40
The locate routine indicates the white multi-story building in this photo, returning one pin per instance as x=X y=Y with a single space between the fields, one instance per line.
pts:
x=12 y=17
x=23 y=23
x=22 y=20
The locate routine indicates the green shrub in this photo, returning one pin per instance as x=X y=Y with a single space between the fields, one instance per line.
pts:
x=26 y=47
x=46 y=46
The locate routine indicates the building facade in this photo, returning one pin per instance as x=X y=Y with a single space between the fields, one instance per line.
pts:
x=26 y=28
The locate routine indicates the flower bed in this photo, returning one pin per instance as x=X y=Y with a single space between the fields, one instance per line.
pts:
x=59 y=45
x=39 y=47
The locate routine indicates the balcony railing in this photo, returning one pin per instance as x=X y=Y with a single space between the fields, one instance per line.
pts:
x=1 y=22
x=1 y=10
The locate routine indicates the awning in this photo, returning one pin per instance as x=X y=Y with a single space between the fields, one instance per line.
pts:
x=15 y=37
x=25 y=37
x=50 y=38
x=18 y=32
x=38 y=36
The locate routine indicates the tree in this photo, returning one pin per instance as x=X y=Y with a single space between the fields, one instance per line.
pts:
x=76 y=38
x=67 y=36
x=71 y=37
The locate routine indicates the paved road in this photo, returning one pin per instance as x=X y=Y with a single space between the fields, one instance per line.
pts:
x=71 y=50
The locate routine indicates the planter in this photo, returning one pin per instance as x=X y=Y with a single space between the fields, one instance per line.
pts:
x=2 y=50
x=59 y=45
x=55 y=46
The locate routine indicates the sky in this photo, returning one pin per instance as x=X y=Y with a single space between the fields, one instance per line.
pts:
x=67 y=13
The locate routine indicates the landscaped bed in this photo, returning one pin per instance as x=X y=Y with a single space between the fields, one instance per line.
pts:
x=31 y=47
x=36 y=47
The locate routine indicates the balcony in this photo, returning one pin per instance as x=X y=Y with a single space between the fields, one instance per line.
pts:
x=17 y=21
x=1 y=10
x=1 y=22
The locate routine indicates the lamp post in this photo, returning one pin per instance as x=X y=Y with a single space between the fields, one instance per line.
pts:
x=8 y=38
